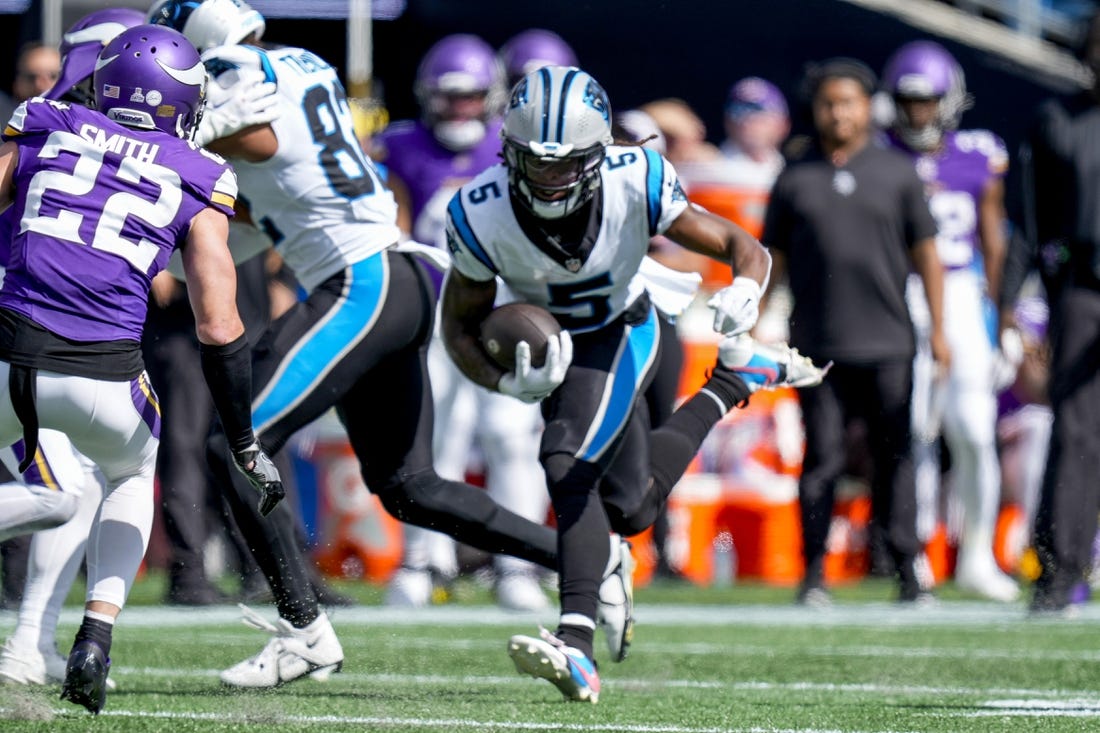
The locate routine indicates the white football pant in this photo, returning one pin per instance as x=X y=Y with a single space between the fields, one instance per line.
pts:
x=111 y=423
x=965 y=406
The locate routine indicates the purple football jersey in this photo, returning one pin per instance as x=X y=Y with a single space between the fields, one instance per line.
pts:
x=7 y=222
x=98 y=210
x=431 y=172
x=955 y=177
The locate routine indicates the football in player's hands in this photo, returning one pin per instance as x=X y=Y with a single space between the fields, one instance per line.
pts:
x=509 y=324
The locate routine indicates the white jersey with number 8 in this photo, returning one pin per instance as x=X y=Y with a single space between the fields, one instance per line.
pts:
x=319 y=198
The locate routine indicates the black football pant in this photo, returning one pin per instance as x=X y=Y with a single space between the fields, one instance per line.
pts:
x=880 y=394
x=359 y=344
x=1066 y=522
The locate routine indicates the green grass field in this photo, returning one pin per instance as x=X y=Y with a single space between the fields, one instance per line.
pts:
x=704 y=661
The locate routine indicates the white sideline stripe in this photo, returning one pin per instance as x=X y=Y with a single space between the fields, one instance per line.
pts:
x=445 y=723
x=1038 y=708
x=840 y=615
x=124 y=673
x=226 y=637
x=703 y=649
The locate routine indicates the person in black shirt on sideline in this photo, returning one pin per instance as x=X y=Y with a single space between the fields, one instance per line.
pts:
x=845 y=222
x=1064 y=224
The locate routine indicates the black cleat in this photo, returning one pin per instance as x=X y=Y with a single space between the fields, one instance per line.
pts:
x=86 y=676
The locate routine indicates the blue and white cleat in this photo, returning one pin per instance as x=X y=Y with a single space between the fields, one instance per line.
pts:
x=548 y=658
x=615 y=612
x=766 y=366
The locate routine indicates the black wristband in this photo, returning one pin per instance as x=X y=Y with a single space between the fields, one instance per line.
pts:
x=228 y=373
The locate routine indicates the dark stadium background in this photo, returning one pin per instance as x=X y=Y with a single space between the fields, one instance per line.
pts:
x=644 y=49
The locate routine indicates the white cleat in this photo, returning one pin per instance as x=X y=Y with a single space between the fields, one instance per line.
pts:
x=409 y=588
x=20 y=666
x=520 y=591
x=615 y=612
x=990 y=583
x=289 y=655
x=766 y=366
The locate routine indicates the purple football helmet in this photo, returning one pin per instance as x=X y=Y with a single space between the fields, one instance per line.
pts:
x=925 y=70
x=152 y=78
x=532 y=49
x=459 y=65
x=80 y=46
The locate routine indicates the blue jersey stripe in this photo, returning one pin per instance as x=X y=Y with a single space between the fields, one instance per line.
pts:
x=337 y=331
x=565 y=84
x=655 y=175
x=466 y=234
x=629 y=373
x=265 y=64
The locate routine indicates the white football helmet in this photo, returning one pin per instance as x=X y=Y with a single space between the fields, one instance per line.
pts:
x=209 y=23
x=556 y=127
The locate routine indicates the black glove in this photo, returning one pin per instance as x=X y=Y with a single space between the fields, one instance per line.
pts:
x=263 y=475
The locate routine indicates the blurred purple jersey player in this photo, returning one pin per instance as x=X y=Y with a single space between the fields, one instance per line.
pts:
x=532 y=49
x=80 y=47
x=101 y=199
x=460 y=88
x=963 y=173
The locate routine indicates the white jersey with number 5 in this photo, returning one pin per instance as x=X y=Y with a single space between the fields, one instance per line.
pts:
x=639 y=196
x=319 y=197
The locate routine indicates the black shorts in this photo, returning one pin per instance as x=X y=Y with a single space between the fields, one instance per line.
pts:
x=596 y=410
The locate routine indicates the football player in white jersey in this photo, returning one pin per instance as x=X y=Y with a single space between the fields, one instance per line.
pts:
x=565 y=223
x=356 y=343
x=460 y=88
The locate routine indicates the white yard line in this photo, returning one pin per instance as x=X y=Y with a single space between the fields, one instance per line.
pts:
x=1047 y=696
x=1071 y=708
x=889 y=615
x=442 y=723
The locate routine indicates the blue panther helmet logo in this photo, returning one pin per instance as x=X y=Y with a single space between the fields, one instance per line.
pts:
x=519 y=94
x=596 y=98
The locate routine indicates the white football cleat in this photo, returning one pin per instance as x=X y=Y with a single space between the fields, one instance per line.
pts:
x=19 y=666
x=289 y=655
x=615 y=612
x=987 y=581
x=766 y=366
x=409 y=588
x=520 y=591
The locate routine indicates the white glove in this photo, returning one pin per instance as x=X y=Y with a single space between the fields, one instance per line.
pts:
x=534 y=384
x=1007 y=359
x=247 y=102
x=736 y=307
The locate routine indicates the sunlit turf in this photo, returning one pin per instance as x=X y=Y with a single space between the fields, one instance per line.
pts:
x=741 y=658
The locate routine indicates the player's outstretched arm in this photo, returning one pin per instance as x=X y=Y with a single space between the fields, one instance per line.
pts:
x=736 y=307
x=226 y=357
x=466 y=303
